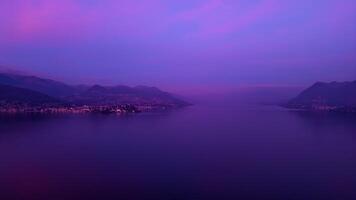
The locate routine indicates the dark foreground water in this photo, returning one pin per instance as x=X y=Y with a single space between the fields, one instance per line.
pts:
x=201 y=152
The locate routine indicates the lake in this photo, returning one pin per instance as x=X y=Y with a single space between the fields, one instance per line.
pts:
x=220 y=151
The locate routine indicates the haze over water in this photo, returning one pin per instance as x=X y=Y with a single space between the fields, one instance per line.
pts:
x=219 y=151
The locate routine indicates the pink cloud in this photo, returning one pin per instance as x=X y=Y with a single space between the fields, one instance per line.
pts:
x=218 y=17
x=201 y=10
x=48 y=19
x=259 y=12
x=32 y=20
x=73 y=19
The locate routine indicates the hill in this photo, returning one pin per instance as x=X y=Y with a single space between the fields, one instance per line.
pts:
x=326 y=96
x=91 y=95
x=140 y=95
x=45 y=86
x=10 y=95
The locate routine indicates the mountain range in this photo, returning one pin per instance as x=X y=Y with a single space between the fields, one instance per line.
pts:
x=45 y=86
x=33 y=90
x=112 y=95
x=21 y=96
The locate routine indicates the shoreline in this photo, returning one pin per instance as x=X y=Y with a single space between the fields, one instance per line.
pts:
x=85 y=109
x=321 y=109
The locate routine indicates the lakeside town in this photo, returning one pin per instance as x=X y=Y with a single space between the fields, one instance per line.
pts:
x=30 y=94
x=79 y=109
x=323 y=108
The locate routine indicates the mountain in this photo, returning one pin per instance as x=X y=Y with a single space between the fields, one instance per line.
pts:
x=45 y=86
x=327 y=96
x=20 y=96
x=92 y=95
x=139 y=95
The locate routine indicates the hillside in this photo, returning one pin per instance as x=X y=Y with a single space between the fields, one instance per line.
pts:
x=20 y=96
x=126 y=95
x=89 y=95
x=334 y=95
x=45 y=86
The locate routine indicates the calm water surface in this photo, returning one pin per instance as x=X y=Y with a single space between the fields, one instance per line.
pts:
x=201 y=152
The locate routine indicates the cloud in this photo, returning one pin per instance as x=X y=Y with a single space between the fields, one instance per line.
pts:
x=218 y=18
x=51 y=19
x=75 y=19
x=188 y=41
x=200 y=11
x=46 y=19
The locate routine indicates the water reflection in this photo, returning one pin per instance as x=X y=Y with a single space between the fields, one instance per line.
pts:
x=202 y=152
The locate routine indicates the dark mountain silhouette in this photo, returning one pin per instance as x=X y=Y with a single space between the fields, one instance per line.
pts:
x=45 y=86
x=126 y=95
x=96 y=95
x=20 y=96
x=321 y=95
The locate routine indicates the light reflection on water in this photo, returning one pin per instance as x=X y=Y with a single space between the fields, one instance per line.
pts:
x=200 y=152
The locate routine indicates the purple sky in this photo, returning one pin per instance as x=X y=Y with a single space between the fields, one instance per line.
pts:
x=181 y=43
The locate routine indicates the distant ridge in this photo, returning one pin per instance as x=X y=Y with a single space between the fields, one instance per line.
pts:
x=87 y=95
x=20 y=96
x=326 y=96
x=46 y=86
x=11 y=70
x=98 y=94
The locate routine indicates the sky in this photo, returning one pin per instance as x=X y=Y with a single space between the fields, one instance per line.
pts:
x=181 y=43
